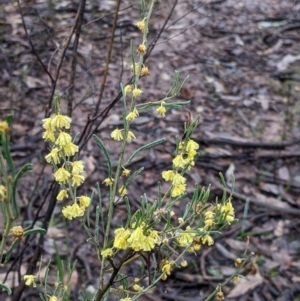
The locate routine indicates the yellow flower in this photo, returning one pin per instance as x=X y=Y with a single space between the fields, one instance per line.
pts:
x=208 y=223
x=62 y=194
x=207 y=239
x=116 y=135
x=144 y=71
x=136 y=92
x=107 y=252
x=61 y=121
x=209 y=214
x=136 y=287
x=53 y=298
x=63 y=139
x=138 y=241
x=130 y=136
x=4 y=127
x=220 y=295
x=108 y=181
x=29 y=280
x=179 y=162
x=47 y=124
x=120 y=241
x=168 y=175
x=135 y=68
x=77 y=167
x=236 y=278
x=84 y=201
x=3 y=192
x=17 y=232
x=128 y=89
x=48 y=135
x=77 y=180
x=122 y=191
x=125 y=299
x=178 y=190
x=141 y=49
x=61 y=175
x=72 y=211
x=141 y=26
x=125 y=173
x=132 y=115
x=167 y=268
x=184 y=263
x=197 y=248
x=185 y=238
x=161 y=110
x=238 y=262
x=53 y=156
x=178 y=179
x=192 y=145
x=70 y=149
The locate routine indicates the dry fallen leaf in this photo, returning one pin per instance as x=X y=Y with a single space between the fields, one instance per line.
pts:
x=245 y=285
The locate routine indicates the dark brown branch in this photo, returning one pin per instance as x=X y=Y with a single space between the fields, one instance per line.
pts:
x=62 y=56
x=31 y=44
x=74 y=60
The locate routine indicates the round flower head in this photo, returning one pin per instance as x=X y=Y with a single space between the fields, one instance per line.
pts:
x=77 y=167
x=29 y=280
x=107 y=252
x=17 y=232
x=141 y=49
x=77 y=180
x=63 y=139
x=108 y=181
x=53 y=156
x=62 y=195
x=47 y=124
x=141 y=25
x=84 y=201
x=128 y=89
x=70 y=149
x=72 y=211
x=61 y=121
x=161 y=110
x=61 y=175
x=116 y=135
x=136 y=92
x=130 y=136
x=48 y=135
x=144 y=71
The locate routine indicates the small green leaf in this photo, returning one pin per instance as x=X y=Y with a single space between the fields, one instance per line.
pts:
x=17 y=177
x=103 y=148
x=8 y=253
x=147 y=146
x=35 y=231
x=6 y=288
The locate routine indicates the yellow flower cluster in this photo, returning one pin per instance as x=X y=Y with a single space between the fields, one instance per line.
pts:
x=166 y=269
x=227 y=211
x=137 y=239
x=4 y=126
x=118 y=136
x=69 y=174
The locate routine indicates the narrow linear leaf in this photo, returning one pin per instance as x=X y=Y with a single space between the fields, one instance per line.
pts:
x=17 y=178
x=6 y=288
x=35 y=231
x=147 y=146
x=6 y=153
x=136 y=173
x=8 y=253
x=101 y=145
